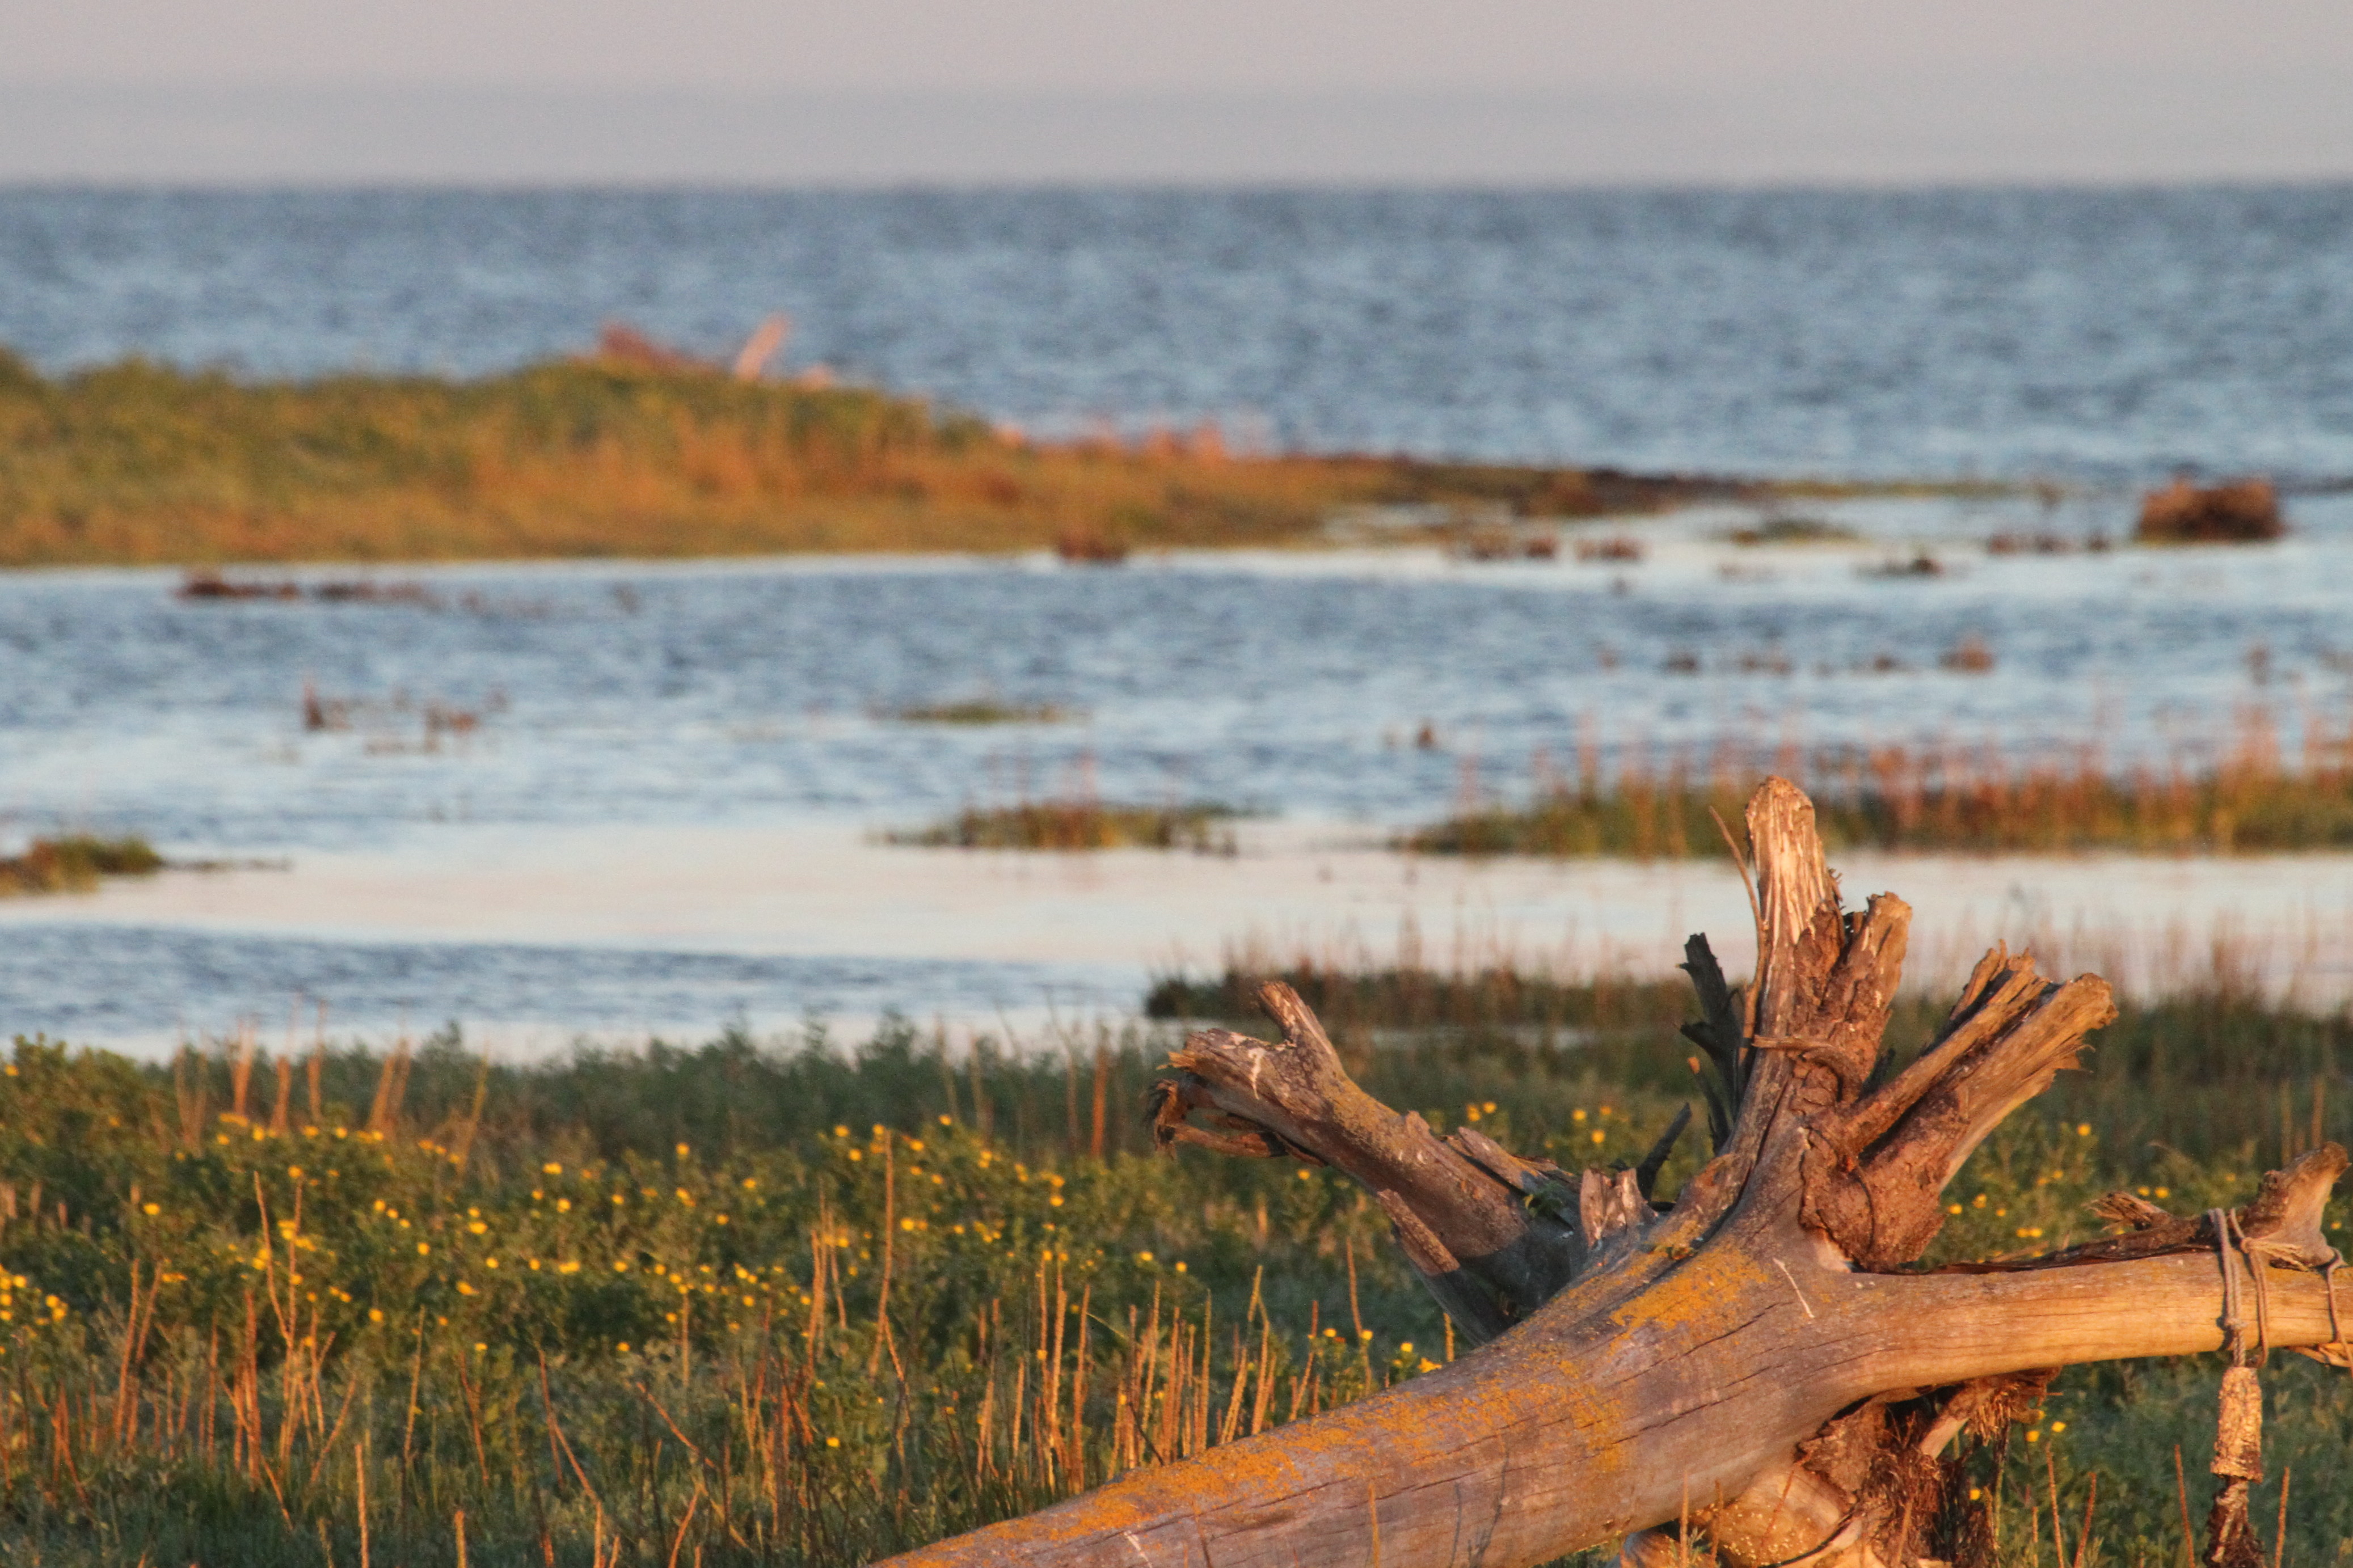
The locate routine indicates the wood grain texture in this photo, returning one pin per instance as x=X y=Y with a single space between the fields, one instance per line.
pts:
x=1566 y=1433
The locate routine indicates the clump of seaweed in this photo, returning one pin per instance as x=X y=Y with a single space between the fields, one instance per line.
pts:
x=207 y=584
x=1970 y=656
x=1613 y=547
x=1501 y=538
x=382 y=718
x=1919 y=563
x=1087 y=546
x=2042 y=541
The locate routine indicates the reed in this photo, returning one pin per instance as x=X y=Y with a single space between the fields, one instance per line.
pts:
x=137 y=463
x=2252 y=798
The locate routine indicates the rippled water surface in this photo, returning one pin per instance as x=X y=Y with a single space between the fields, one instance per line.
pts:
x=1906 y=333
x=628 y=694
x=2101 y=337
x=585 y=706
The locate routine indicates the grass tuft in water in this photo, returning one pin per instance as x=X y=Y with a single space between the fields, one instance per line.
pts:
x=75 y=864
x=976 y=710
x=1950 y=800
x=1204 y=827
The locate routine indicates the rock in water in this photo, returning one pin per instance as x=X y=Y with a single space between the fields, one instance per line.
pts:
x=2246 y=512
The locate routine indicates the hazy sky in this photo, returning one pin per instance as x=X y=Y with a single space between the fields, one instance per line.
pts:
x=1736 y=90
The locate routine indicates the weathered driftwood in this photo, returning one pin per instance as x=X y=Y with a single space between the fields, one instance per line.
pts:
x=1750 y=1359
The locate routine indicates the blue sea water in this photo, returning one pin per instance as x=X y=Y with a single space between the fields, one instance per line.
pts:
x=2115 y=333
x=2105 y=338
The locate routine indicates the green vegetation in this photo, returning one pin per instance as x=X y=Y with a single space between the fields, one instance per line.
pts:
x=1796 y=530
x=793 y=1304
x=75 y=864
x=137 y=463
x=983 y=711
x=2213 y=1071
x=1899 y=799
x=1359 y=1006
x=1203 y=828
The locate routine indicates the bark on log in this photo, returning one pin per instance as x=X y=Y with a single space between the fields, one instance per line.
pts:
x=1757 y=1358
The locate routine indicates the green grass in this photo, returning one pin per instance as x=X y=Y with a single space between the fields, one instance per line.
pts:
x=777 y=1286
x=75 y=864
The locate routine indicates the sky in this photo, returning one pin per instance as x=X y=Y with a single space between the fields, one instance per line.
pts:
x=1870 y=91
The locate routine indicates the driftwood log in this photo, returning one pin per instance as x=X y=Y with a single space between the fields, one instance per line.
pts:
x=1754 y=1361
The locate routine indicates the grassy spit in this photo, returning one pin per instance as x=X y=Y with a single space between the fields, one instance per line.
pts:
x=1973 y=801
x=137 y=463
x=793 y=1304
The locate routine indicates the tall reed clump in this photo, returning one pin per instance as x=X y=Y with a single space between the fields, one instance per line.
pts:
x=1956 y=798
x=793 y=1304
x=139 y=463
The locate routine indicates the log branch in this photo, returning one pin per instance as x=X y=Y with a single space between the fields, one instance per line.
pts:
x=1754 y=1359
x=1572 y=1429
x=1489 y=1257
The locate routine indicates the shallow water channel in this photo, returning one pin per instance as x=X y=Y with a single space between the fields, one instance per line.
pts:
x=615 y=797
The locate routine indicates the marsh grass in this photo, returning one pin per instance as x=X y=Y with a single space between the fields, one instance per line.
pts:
x=1082 y=823
x=2214 y=1067
x=796 y=1303
x=75 y=863
x=1972 y=800
x=638 y=1305
x=137 y=463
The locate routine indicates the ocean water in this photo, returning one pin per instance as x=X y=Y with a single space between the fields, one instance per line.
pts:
x=2103 y=338
x=2113 y=334
x=757 y=692
x=151 y=987
x=605 y=705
